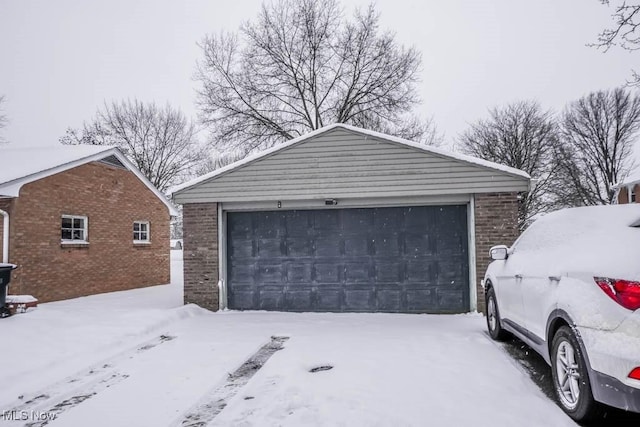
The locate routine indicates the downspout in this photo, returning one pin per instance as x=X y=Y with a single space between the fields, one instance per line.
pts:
x=5 y=236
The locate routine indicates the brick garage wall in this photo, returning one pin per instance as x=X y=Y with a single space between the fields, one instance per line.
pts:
x=5 y=205
x=200 y=254
x=112 y=198
x=496 y=222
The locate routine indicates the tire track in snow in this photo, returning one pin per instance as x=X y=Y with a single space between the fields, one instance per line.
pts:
x=214 y=401
x=68 y=393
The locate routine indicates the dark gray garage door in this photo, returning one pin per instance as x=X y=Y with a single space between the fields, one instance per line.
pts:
x=409 y=259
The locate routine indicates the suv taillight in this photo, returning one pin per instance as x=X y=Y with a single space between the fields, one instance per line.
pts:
x=624 y=292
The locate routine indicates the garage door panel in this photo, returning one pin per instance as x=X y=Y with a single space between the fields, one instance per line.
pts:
x=452 y=269
x=241 y=226
x=298 y=299
x=388 y=272
x=356 y=273
x=450 y=300
x=357 y=219
x=241 y=248
x=419 y=218
x=299 y=272
x=407 y=259
x=387 y=220
x=271 y=298
x=270 y=248
x=386 y=244
x=418 y=245
x=389 y=300
x=269 y=226
x=358 y=300
x=299 y=247
x=419 y=300
x=243 y=298
x=420 y=270
x=450 y=244
x=242 y=274
x=325 y=220
x=356 y=245
x=328 y=273
x=298 y=223
x=270 y=273
x=329 y=246
x=329 y=299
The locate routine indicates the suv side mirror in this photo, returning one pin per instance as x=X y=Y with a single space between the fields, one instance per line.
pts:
x=499 y=252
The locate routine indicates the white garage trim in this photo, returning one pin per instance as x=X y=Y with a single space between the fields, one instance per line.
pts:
x=471 y=229
x=344 y=203
x=222 y=258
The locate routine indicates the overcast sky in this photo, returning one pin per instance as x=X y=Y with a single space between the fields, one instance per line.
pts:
x=60 y=60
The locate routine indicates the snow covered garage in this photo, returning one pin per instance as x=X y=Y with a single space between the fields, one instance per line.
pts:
x=345 y=219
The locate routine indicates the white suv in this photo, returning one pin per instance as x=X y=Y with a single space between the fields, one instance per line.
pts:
x=569 y=287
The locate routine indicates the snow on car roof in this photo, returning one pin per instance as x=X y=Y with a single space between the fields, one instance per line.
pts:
x=603 y=239
x=598 y=217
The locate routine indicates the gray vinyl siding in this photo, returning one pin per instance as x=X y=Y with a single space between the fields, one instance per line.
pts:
x=346 y=164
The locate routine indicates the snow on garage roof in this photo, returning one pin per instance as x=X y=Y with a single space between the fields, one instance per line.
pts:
x=630 y=180
x=20 y=162
x=365 y=132
x=22 y=165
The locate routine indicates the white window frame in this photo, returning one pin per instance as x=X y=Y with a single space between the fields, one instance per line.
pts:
x=632 y=194
x=148 y=231
x=85 y=229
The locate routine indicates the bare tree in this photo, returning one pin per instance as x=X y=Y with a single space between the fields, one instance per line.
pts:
x=598 y=134
x=216 y=160
x=523 y=136
x=301 y=65
x=161 y=142
x=3 y=118
x=624 y=32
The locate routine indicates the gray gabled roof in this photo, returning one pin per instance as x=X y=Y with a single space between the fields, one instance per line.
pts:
x=266 y=153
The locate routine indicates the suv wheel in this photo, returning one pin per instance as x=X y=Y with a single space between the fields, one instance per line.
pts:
x=493 y=318
x=571 y=377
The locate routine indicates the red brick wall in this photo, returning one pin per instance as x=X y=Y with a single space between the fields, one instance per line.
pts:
x=200 y=254
x=112 y=199
x=496 y=222
x=623 y=195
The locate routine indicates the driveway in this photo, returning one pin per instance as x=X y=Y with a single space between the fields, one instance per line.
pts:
x=142 y=369
x=141 y=358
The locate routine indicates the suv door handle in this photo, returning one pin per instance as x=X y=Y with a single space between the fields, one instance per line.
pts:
x=554 y=278
x=519 y=276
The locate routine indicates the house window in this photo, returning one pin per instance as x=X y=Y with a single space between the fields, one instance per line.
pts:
x=632 y=195
x=74 y=228
x=141 y=232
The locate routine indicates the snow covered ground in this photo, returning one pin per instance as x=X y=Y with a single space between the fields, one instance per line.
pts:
x=141 y=358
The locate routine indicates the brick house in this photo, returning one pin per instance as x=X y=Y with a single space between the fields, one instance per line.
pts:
x=80 y=220
x=345 y=219
x=628 y=191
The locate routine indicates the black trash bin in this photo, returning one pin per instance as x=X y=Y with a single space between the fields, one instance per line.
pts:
x=5 y=278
